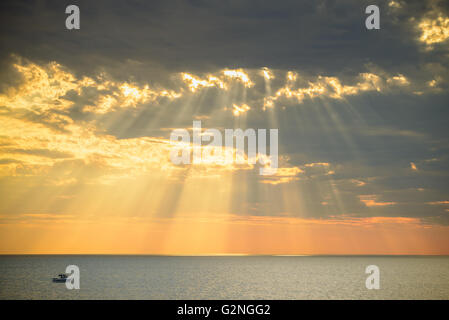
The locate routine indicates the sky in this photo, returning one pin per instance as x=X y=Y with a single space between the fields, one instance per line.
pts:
x=86 y=117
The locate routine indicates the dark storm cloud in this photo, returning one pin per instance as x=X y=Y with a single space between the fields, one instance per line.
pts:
x=323 y=36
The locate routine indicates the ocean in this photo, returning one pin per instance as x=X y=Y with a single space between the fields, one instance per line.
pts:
x=224 y=277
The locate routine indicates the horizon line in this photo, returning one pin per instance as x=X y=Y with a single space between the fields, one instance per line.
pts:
x=220 y=255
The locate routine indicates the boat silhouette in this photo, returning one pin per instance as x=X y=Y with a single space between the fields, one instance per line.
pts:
x=61 y=278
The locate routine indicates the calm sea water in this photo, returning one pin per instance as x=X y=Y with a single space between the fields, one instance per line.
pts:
x=258 y=277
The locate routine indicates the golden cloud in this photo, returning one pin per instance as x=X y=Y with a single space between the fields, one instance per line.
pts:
x=438 y=202
x=283 y=175
x=332 y=87
x=434 y=30
x=371 y=201
x=238 y=110
x=433 y=26
x=44 y=88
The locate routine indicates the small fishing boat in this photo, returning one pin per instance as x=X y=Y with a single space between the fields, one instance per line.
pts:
x=61 y=278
